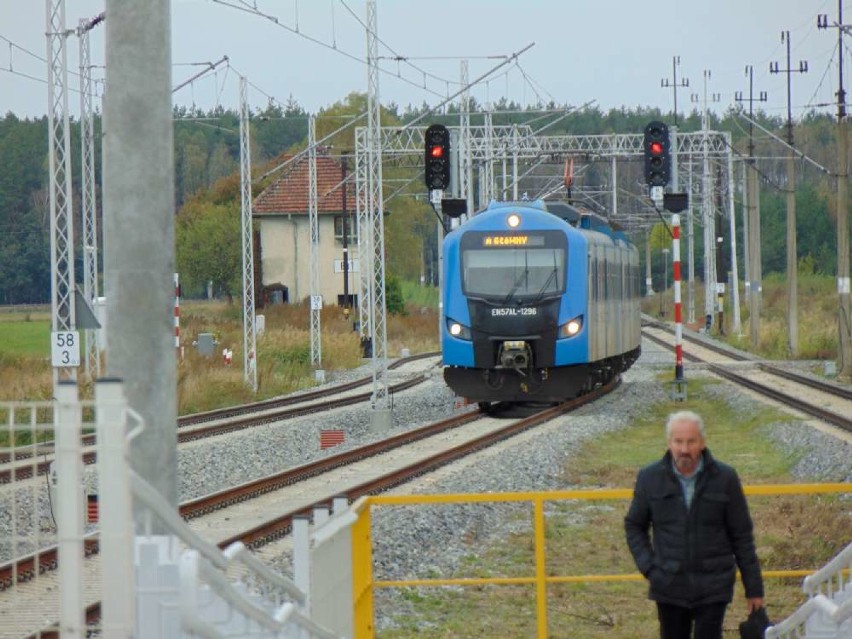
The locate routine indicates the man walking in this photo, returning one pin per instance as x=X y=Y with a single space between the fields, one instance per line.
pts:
x=702 y=532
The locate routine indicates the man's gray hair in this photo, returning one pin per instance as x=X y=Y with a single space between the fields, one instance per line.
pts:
x=684 y=416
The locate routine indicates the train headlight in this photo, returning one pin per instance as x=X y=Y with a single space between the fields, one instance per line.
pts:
x=514 y=220
x=458 y=330
x=571 y=327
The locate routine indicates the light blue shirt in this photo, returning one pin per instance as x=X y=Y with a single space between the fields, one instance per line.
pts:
x=688 y=483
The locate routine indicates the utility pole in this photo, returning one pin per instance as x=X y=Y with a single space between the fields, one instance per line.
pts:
x=752 y=222
x=707 y=206
x=792 y=268
x=843 y=311
x=673 y=129
x=138 y=194
x=87 y=190
x=664 y=83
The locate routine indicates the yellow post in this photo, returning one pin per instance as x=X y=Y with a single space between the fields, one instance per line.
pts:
x=540 y=572
x=362 y=571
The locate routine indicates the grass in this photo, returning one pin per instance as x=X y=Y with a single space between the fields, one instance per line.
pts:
x=588 y=538
x=207 y=383
x=817 y=317
x=24 y=336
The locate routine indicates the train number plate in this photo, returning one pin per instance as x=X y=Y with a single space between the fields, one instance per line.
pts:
x=513 y=312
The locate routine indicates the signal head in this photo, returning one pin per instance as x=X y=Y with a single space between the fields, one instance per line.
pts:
x=656 y=151
x=436 y=157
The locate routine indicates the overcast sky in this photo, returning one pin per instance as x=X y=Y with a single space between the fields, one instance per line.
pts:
x=612 y=52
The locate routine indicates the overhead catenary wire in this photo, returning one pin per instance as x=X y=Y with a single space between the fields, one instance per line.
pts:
x=396 y=56
x=274 y=20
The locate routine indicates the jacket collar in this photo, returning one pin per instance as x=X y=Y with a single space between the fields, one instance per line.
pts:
x=709 y=461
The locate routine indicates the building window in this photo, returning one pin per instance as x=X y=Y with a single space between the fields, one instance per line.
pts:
x=338 y=229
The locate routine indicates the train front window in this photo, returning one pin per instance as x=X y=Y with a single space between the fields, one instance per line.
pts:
x=507 y=273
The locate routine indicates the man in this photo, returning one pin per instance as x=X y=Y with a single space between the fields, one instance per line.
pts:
x=702 y=532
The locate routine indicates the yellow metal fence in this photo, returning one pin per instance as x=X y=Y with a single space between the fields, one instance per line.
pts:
x=362 y=547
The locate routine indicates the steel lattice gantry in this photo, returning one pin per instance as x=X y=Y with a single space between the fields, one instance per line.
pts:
x=371 y=246
x=59 y=157
x=88 y=202
x=247 y=236
x=313 y=215
x=516 y=143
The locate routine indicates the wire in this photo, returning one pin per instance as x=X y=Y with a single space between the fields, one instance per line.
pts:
x=274 y=20
x=533 y=84
x=397 y=56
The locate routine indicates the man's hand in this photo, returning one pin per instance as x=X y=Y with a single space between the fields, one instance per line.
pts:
x=754 y=603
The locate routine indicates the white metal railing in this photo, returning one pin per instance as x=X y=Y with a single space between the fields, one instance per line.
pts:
x=149 y=586
x=42 y=515
x=263 y=603
x=827 y=614
x=818 y=618
x=832 y=578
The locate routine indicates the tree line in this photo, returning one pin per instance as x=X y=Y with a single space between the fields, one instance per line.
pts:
x=207 y=148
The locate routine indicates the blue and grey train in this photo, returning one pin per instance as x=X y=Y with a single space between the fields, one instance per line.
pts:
x=540 y=304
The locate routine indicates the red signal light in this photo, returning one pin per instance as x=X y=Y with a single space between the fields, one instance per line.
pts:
x=436 y=152
x=656 y=148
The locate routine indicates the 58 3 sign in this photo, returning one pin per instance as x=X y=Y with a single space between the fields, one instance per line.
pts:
x=65 y=348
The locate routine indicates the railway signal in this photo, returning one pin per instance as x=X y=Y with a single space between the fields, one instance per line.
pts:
x=657 y=152
x=437 y=157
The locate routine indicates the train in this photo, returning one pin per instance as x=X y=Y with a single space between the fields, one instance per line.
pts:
x=540 y=304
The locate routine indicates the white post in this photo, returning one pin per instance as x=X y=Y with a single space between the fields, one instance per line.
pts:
x=735 y=276
x=115 y=514
x=69 y=510
x=302 y=558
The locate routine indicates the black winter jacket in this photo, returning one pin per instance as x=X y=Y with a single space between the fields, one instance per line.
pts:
x=692 y=557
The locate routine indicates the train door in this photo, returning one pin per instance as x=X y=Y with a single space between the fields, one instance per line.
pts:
x=610 y=299
x=592 y=302
x=622 y=297
x=600 y=318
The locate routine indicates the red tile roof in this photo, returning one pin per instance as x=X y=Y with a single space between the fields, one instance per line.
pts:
x=289 y=193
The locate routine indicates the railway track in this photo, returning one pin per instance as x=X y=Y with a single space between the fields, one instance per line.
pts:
x=243 y=513
x=222 y=421
x=825 y=401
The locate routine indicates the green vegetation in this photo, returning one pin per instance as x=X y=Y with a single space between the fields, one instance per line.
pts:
x=587 y=538
x=818 y=335
x=207 y=383
x=207 y=185
x=24 y=336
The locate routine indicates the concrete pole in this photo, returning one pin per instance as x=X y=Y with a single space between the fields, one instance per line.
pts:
x=649 y=286
x=139 y=230
x=746 y=236
x=792 y=268
x=844 y=320
x=735 y=276
x=755 y=254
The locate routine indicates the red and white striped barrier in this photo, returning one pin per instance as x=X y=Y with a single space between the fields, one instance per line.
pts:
x=177 y=315
x=677 y=305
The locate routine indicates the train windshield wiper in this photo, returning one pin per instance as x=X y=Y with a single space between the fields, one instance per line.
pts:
x=515 y=286
x=524 y=274
x=544 y=286
x=547 y=282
